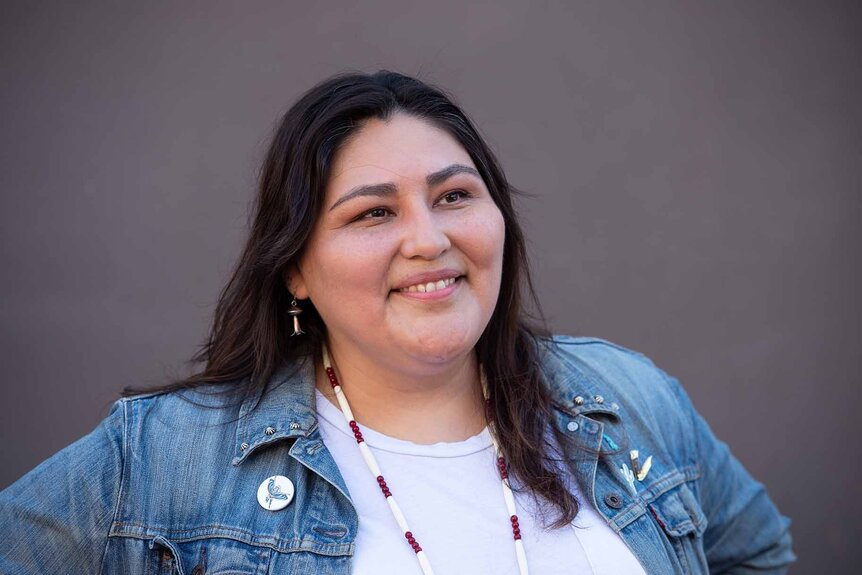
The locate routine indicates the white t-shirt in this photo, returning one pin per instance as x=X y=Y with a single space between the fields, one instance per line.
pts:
x=451 y=495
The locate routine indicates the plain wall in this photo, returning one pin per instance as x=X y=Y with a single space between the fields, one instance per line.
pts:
x=695 y=169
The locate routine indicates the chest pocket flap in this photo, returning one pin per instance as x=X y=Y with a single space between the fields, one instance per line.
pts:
x=678 y=512
x=208 y=556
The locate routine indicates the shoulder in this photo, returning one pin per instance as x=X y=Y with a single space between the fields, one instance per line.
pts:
x=595 y=350
x=597 y=366
x=179 y=422
x=594 y=377
x=189 y=405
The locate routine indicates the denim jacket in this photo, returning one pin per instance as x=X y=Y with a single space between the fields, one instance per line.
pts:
x=168 y=484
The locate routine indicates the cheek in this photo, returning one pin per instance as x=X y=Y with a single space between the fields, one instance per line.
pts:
x=347 y=262
x=487 y=234
x=481 y=238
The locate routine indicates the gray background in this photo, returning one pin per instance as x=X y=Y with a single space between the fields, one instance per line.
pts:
x=696 y=168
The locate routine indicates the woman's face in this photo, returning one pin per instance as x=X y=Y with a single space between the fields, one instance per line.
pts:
x=404 y=262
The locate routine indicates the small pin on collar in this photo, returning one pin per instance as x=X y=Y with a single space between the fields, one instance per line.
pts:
x=645 y=469
x=640 y=472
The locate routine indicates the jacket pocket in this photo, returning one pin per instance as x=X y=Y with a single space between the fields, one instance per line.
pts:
x=207 y=556
x=683 y=522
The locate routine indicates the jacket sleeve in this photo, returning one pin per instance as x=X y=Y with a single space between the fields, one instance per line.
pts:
x=745 y=533
x=56 y=518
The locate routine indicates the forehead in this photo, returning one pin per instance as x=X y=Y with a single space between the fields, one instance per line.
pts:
x=400 y=148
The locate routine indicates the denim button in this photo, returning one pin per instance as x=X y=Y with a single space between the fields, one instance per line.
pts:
x=599 y=399
x=243 y=446
x=275 y=492
x=613 y=501
x=578 y=400
x=294 y=425
x=269 y=430
x=572 y=426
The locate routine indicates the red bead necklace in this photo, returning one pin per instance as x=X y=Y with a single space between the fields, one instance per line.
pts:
x=371 y=462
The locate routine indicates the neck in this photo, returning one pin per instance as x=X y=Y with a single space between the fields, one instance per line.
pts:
x=441 y=405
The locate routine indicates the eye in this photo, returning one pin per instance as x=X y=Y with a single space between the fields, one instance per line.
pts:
x=454 y=197
x=374 y=214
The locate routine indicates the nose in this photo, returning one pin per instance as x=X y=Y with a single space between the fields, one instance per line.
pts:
x=424 y=236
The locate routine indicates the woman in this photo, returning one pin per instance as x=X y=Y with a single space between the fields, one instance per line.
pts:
x=374 y=399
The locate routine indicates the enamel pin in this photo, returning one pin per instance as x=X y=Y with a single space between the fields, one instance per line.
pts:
x=640 y=472
x=630 y=477
x=275 y=492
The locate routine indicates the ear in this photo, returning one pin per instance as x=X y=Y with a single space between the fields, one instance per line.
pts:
x=295 y=282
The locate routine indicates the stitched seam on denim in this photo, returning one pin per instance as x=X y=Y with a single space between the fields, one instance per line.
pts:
x=595 y=341
x=170 y=532
x=297 y=454
x=169 y=545
x=319 y=500
x=694 y=521
x=340 y=532
x=669 y=481
x=676 y=388
x=638 y=507
x=290 y=546
x=204 y=531
x=124 y=452
x=628 y=516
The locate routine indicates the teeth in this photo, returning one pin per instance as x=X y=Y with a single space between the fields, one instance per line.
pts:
x=430 y=286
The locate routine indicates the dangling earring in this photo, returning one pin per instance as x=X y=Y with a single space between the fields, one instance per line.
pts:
x=294 y=311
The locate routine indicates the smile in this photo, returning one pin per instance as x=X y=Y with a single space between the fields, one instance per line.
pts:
x=438 y=291
x=429 y=287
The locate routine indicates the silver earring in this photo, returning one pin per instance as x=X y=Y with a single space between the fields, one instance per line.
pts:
x=294 y=311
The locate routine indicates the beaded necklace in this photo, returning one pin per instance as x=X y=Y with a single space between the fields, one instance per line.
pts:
x=371 y=462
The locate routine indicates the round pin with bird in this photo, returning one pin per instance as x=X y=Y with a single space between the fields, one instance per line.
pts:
x=275 y=492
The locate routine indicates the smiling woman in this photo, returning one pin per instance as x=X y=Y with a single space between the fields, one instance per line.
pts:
x=387 y=253
x=375 y=399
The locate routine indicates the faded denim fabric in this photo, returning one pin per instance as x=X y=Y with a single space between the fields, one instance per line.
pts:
x=167 y=483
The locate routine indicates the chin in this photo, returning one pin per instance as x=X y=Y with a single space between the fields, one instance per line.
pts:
x=441 y=347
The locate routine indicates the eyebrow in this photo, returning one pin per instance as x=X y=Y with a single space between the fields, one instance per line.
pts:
x=388 y=189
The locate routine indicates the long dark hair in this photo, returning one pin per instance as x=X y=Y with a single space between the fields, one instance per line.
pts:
x=250 y=338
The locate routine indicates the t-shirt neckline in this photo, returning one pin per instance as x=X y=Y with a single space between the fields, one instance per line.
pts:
x=333 y=416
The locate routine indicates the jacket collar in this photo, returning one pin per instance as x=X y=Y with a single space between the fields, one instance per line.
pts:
x=286 y=408
x=575 y=387
x=283 y=409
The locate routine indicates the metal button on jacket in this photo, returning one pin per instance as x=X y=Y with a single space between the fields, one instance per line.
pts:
x=572 y=426
x=275 y=492
x=613 y=501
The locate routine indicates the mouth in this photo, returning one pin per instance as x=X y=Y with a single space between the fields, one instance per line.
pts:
x=430 y=287
x=431 y=291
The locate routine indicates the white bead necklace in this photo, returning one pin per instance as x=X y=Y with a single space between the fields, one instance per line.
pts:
x=371 y=462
